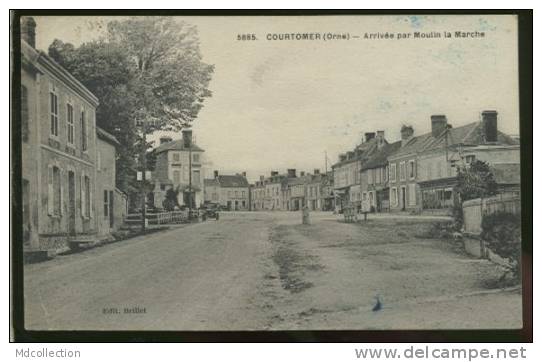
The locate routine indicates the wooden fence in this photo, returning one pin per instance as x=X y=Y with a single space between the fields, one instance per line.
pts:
x=474 y=210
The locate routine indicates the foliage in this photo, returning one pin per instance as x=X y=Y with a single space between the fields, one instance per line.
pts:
x=476 y=181
x=146 y=71
x=502 y=232
x=171 y=199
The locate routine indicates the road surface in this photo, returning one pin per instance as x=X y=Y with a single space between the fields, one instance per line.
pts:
x=266 y=271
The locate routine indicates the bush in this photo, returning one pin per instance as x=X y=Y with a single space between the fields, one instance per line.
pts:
x=502 y=233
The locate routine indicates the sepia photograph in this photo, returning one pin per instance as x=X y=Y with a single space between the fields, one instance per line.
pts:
x=235 y=173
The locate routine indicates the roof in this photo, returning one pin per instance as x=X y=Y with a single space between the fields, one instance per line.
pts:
x=232 y=181
x=380 y=158
x=506 y=173
x=176 y=145
x=210 y=182
x=362 y=151
x=107 y=136
x=469 y=134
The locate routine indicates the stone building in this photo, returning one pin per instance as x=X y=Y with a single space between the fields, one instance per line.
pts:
x=111 y=203
x=257 y=194
x=230 y=191
x=274 y=195
x=172 y=170
x=374 y=178
x=59 y=153
x=423 y=172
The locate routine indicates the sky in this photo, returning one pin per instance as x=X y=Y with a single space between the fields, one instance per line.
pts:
x=284 y=104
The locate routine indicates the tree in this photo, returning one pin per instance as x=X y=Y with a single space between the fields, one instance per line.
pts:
x=171 y=199
x=476 y=181
x=148 y=70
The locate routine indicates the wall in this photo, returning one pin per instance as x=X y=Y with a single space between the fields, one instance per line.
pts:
x=105 y=181
x=234 y=194
x=473 y=210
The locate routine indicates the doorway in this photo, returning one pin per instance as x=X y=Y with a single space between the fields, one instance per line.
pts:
x=111 y=208
x=403 y=198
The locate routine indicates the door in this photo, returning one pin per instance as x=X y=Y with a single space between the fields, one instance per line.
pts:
x=403 y=198
x=111 y=208
x=71 y=203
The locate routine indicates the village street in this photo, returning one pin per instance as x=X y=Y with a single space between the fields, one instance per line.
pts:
x=264 y=270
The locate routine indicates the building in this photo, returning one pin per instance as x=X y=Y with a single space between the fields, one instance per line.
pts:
x=274 y=192
x=234 y=191
x=314 y=191
x=327 y=197
x=347 y=173
x=423 y=172
x=59 y=146
x=257 y=194
x=374 y=178
x=111 y=203
x=174 y=160
x=211 y=191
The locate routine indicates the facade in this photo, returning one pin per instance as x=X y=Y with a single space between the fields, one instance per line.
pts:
x=347 y=173
x=423 y=172
x=172 y=170
x=257 y=195
x=327 y=197
x=58 y=151
x=274 y=192
x=229 y=191
x=314 y=191
x=111 y=203
x=374 y=179
x=211 y=191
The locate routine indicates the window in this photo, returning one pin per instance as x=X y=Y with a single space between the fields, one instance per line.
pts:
x=176 y=176
x=402 y=171
x=195 y=157
x=176 y=157
x=236 y=194
x=195 y=177
x=393 y=196
x=106 y=203
x=69 y=115
x=378 y=176
x=412 y=194
x=54 y=192
x=370 y=178
x=470 y=159
x=24 y=113
x=393 y=172
x=411 y=169
x=53 y=108
x=243 y=195
x=84 y=131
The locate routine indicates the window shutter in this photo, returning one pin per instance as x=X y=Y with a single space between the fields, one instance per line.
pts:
x=61 y=177
x=83 y=198
x=50 y=200
x=91 y=200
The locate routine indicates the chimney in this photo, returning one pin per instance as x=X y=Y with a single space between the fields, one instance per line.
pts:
x=302 y=173
x=316 y=171
x=438 y=124
x=342 y=157
x=28 y=30
x=380 y=138
x=244 y=173
x=187 y=138
x=369 y=136
x=489 y=126
x=406 y=134
x=262 y=177
x=165 y=139
x=291 y=173
x=216 y=173
x=274 y=173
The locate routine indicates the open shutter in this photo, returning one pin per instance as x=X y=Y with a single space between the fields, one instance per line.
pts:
x=83 y=197
x=50 y=195
x=91 y=200
x=61 y=179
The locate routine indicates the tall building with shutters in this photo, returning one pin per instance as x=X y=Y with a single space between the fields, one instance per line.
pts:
x=59 y=152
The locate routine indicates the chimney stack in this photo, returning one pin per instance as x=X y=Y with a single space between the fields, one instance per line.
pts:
x=274 y=173
x=262 y=178
x=165 y=139
x=369 y=136
x=380 y=138
x=216 y=174
x=302 y=173
x=489 y=126
x=406 y=134
x=316 y=171
x=342 y=157
x=244 y=173
x=187 y=138
x=28 y=30
x=438 y=124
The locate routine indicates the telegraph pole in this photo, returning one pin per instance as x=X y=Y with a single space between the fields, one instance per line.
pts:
x=144 y=170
